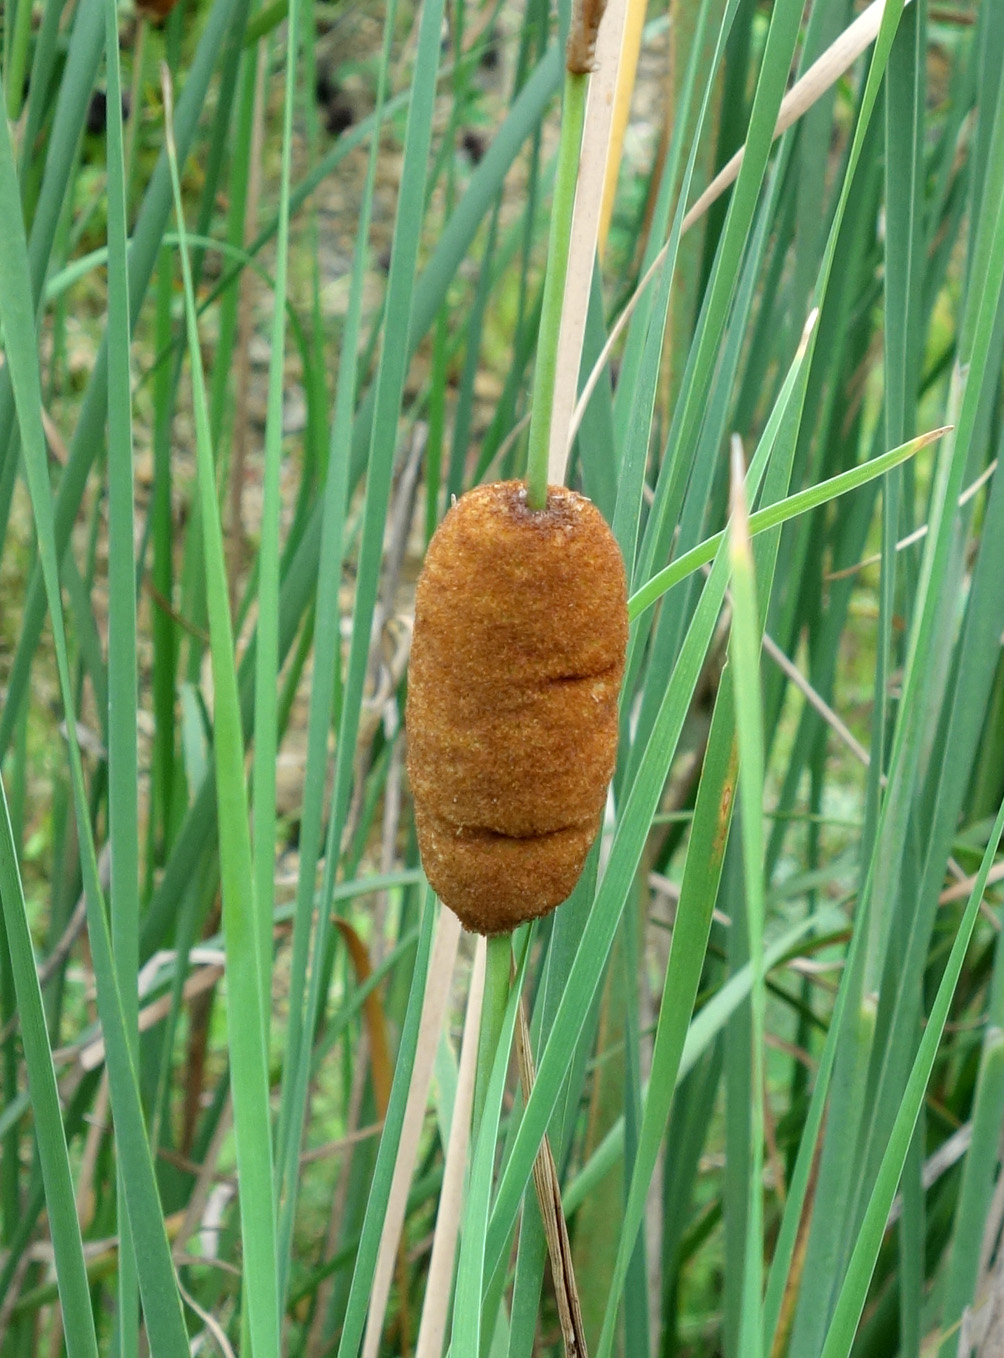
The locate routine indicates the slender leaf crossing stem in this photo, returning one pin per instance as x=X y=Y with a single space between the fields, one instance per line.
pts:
x=497 y=973
x=572 y=117
x=123 y=756
x=774 y=514
x=248 y=1054
x=745 y=654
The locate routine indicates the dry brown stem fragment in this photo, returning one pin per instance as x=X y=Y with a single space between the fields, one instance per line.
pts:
x=580 y=50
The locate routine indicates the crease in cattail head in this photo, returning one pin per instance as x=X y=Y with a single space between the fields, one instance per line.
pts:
x=516 y=664
x=580 y=49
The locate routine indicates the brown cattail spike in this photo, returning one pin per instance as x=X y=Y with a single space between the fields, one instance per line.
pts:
x=516 y=665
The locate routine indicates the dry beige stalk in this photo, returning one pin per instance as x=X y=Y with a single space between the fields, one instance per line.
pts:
x=211 y=1323
x=195 y=1213
x=432 y=1328
x=821 y=75
x=983 y=1322
x=962 y=888
x=918 y=534
x=807 y=91
x=430 y=1025
x=97 y=1129
x=201 y=980
x=815 y=699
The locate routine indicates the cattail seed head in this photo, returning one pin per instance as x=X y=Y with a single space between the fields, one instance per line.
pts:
x=516 y=665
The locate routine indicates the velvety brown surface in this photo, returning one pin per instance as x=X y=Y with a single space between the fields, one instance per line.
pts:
x=516 y=663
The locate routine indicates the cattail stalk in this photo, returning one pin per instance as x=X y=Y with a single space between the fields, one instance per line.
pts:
x=579 y=51
x=578 y=62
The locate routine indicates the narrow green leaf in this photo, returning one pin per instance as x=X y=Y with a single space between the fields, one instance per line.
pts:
x=851 y=1300
x=245 y=982
x=158 y=1287
x=772 y=516
x=698 y=891
x=267 y=651
x=71 y=1272
x=745 y=652
x=123 y=756
x=327 y=642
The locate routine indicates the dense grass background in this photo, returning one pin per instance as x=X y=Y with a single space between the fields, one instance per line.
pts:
x=255 y=335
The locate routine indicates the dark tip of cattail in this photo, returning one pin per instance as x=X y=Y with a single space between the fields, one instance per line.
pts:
x=516 y=665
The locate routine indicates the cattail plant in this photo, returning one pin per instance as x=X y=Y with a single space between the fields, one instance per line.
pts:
x=516 y=667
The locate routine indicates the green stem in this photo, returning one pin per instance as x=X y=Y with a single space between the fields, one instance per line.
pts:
x=17 y=54
x=572 y=117
x=497 y=974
